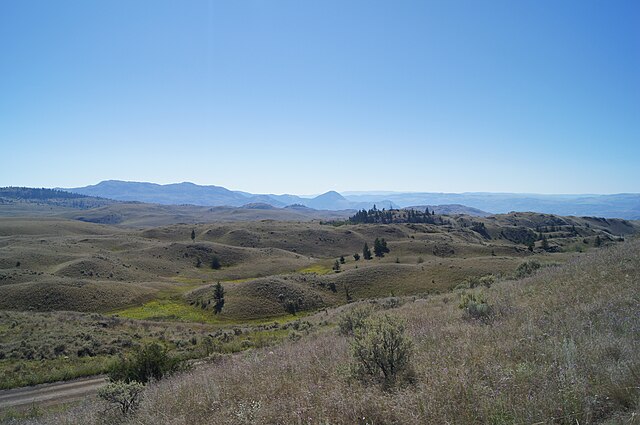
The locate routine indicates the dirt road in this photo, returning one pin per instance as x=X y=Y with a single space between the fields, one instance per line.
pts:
x=51 y=394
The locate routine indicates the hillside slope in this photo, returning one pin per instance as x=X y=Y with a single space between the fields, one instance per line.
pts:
x=560 y=347
x=96 y=267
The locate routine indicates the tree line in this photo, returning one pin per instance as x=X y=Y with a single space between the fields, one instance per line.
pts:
x=376 y=216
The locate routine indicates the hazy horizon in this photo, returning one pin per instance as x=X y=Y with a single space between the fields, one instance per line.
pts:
x=357 y=192
x=297 y=97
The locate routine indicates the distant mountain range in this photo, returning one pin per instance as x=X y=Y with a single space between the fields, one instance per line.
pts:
x=625 y=206
x=214 y=196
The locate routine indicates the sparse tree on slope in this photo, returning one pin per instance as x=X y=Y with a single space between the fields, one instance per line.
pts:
x=378 y=248
x=545 y=243
x=385 y=249
x=366 y=252
x=218 y=297
x=336 y=266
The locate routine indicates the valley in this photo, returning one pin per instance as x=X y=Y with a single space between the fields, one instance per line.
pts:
x=74 y=295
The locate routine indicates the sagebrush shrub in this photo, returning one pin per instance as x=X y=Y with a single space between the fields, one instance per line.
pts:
x=527 y=268
x=382 y=352
x=126 y=395
x=148 y=362
x=354 y=319
x=475 y=306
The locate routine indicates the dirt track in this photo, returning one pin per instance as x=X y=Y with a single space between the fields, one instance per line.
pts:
x=51 y=394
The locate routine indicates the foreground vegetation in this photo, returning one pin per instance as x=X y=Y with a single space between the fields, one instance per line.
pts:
x=37 y=348
x=561 y=346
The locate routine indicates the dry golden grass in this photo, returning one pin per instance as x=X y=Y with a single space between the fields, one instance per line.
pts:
x=90 y=267
x=561 y=347
x=53 y=264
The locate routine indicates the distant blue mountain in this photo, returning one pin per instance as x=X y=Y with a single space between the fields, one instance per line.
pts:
x=171 y=194
x=625 y=206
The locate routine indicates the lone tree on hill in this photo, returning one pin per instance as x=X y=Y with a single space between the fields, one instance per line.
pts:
x=218 y=298
x=356 y=256
x=336 y=266
x=598 y=241
x=545 y=243
x=215 y=263
x=366 y=252
x=380 y=247
x=342 y=260
x=193 y=235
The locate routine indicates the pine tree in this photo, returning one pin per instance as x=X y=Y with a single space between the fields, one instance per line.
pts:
x=385 y=249
x=336 y=266
x=378 y=249
x=215 y=263
x=366 y=252
x=218 y=297
x=193 y=235
x=545 y=243
x=356 y=256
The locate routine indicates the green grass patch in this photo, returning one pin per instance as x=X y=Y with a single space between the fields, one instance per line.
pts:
x=168 y=310
x=246 y=279
x=31 y=372
x=189 y=280
x=316 y=268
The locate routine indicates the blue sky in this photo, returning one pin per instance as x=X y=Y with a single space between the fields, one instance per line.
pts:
x=304 y=97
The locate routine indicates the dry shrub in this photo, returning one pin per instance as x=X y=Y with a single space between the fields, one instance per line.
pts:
x=382 y=351
x=354 y=319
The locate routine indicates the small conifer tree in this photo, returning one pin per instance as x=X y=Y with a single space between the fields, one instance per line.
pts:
x=366 y=252
x=218 y=298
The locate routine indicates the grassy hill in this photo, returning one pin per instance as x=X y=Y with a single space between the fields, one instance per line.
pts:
x=92 y=267
x=277 y=276
x=559 y=347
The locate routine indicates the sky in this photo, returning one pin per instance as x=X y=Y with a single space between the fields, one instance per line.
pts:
x=290 y=96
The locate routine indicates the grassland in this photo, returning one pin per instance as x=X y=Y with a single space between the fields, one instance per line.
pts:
x=560 y=347
x=47 y=347
x=63 y=279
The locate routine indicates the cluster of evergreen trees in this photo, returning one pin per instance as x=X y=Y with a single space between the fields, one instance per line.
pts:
x=383 y=216
x=52 y=197
x=379 y=249
x=33 y=193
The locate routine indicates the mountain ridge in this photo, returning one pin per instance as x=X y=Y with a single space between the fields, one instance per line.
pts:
x=623 y=205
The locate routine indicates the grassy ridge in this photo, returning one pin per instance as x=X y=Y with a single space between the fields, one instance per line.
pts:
x=561 y=347
x=55 y=264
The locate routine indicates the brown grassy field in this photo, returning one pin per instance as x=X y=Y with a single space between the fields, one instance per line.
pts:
x=55 y=264
x=560 y=347
x=272 y=272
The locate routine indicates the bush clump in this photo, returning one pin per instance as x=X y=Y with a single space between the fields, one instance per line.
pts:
x=148 y=362
x=475 y=306
x=527 y=268
x=126 y=395
x=475 y=281
x=354 y=319
x=382 y=352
